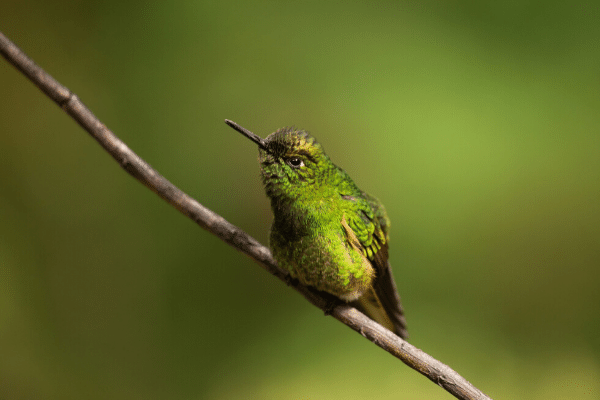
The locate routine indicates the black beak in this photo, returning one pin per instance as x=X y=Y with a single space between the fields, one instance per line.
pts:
x=255 y=138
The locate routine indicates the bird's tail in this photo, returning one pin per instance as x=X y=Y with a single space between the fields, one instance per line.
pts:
x=370 y=304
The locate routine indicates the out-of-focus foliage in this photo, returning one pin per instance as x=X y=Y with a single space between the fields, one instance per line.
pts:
x=476 y=124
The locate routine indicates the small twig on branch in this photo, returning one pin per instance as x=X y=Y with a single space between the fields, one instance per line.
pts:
x=433 y=369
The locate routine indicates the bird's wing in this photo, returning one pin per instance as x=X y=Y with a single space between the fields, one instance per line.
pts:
x=371 y=226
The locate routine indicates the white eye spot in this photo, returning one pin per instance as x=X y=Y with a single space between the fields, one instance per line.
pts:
x=295 y=162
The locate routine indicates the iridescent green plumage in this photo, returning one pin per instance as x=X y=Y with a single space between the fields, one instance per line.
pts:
x=327 y=232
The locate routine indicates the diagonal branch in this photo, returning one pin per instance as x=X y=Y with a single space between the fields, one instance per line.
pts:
x=433 y=369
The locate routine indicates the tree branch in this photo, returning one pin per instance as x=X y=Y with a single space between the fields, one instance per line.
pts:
x=436 y=371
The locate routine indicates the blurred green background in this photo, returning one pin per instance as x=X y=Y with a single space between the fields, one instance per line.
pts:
x=475 y=123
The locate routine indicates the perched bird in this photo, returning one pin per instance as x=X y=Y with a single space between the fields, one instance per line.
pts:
x=327 y=232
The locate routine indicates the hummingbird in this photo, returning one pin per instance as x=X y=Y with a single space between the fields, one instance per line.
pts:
x=326 y=232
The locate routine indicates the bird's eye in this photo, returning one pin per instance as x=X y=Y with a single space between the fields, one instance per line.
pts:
x=295 y=162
